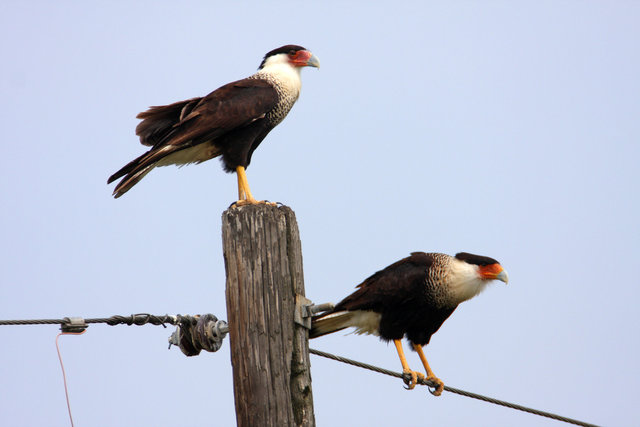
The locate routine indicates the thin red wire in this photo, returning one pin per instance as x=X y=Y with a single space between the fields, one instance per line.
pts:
x=64 y=375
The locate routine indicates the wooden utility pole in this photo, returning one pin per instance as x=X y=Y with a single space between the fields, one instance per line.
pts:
x=269 y=352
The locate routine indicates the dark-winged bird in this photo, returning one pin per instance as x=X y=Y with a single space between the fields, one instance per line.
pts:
x=229 y=122
x=411 y=298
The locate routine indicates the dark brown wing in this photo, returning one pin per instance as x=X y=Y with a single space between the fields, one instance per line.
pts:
x=402 y=295
x=185 y=124
x=232 y=106
x=396 y=285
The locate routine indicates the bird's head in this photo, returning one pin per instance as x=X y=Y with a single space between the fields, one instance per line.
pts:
x=292 y=55
x=470 y=274
x=486 y=268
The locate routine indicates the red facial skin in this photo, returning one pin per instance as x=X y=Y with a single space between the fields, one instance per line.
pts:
x=300 y=58
x=490 y=271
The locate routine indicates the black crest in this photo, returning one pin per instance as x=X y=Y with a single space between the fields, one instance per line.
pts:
x=284 y=49
x=475 y=259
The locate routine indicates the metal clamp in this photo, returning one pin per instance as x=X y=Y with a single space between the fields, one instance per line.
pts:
x=73 y=325
x=305 y=310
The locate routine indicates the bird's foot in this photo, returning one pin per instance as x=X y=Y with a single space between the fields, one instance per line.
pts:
x=245 y=202
x=410 y=378
x=439 y=385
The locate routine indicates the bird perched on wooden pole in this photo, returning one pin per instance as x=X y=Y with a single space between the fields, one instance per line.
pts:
x=229 y=122
x=411 y=298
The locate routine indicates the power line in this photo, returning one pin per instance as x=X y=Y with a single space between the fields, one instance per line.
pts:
x=206 y=332
x=193 y=333
x=134 y=319
x=451 y=389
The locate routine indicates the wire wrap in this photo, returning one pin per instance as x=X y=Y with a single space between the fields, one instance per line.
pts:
x=134 y=319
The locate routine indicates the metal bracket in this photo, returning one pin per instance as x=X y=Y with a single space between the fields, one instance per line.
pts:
x=73 y=325
x=174 y=339
x=301 y=314
x=305 y=310
x=320 y=308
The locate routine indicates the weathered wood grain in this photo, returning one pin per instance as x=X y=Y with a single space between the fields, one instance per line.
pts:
x=269 y=352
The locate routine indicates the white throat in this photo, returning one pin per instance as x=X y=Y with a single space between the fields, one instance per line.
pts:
x=464 y=281
x=278 y=70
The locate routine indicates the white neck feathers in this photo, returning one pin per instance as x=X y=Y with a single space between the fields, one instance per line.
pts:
x=464 y=281
x=280 y=72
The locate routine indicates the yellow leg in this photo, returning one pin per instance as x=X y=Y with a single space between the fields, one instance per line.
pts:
x=430 y=375
x=244 y=193
x=240 y=186
x=405 y=366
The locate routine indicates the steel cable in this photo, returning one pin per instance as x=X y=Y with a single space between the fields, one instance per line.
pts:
x=452 y=389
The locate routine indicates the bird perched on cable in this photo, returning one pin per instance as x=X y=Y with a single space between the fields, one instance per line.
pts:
x=229 y=122
x=411 y=298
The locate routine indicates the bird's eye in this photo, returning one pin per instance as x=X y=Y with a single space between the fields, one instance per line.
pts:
x=292 y=53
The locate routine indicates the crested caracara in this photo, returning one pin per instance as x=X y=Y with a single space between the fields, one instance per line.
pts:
x=230 y=122
x=411 y=298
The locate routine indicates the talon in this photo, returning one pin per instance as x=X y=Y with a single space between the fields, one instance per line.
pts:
x=245 y=202
x=439 y=385
x=411 y=383
x=244 y=193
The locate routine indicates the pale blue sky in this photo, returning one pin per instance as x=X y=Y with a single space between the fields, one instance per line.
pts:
x=508 y=129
